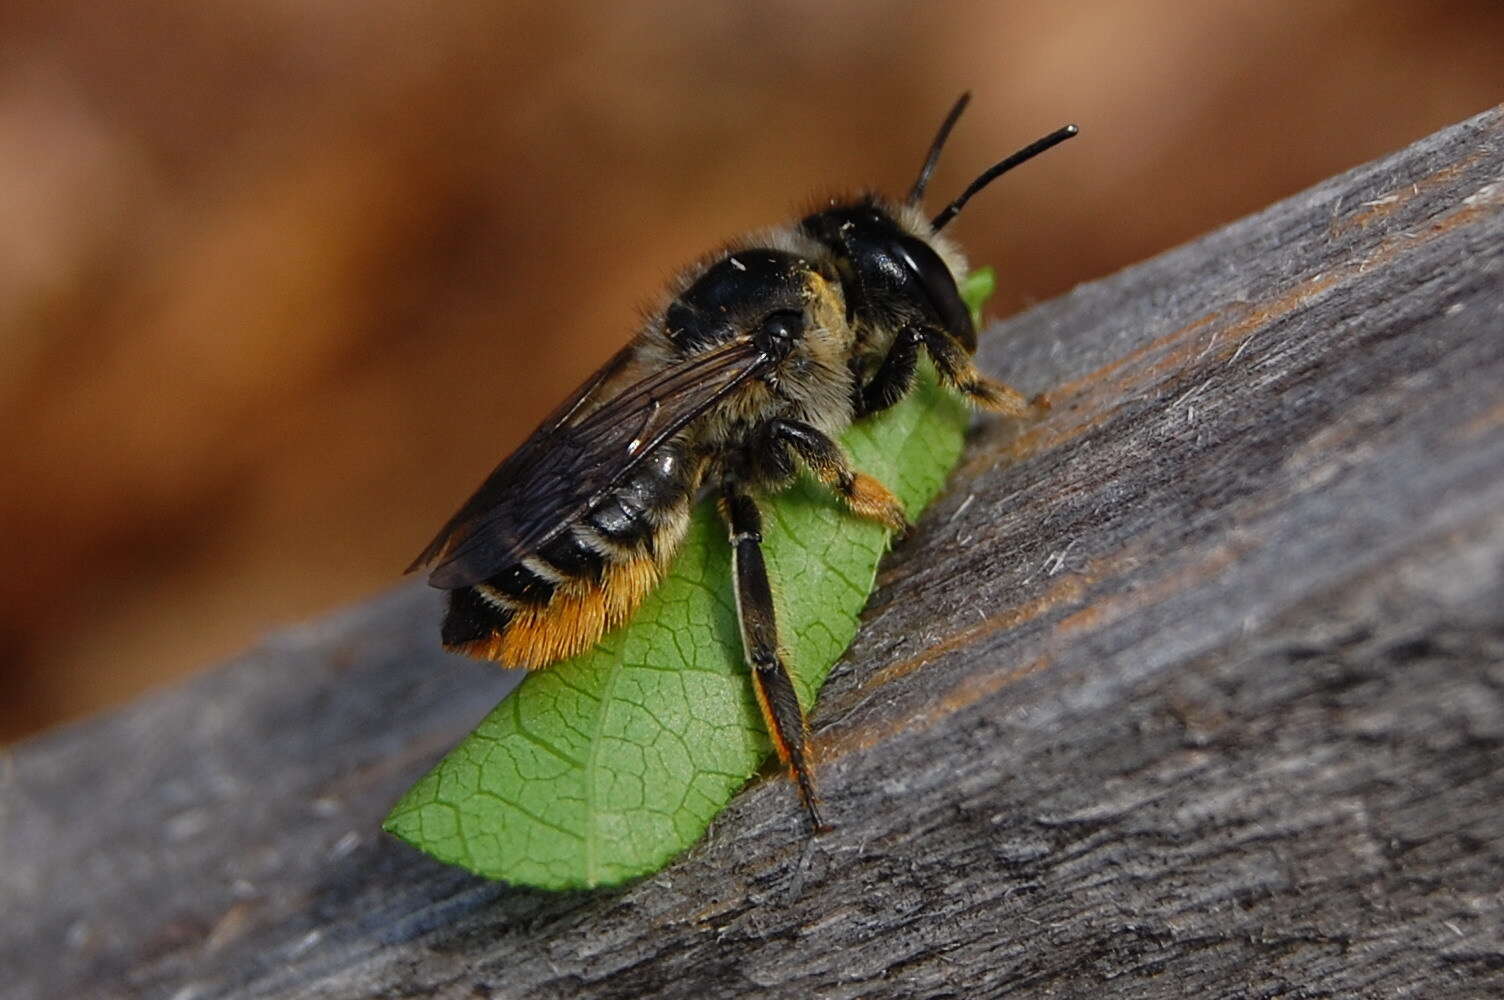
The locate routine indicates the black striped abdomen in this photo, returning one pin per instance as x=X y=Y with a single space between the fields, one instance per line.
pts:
x=588 y=578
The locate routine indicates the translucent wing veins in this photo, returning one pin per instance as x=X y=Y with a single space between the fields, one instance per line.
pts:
x=576 y=458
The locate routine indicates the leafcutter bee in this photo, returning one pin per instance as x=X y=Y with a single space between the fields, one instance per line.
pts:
x=761 y=356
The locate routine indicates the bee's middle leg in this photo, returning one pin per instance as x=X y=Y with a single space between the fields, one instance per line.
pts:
x=862 y=493
x=787 y=725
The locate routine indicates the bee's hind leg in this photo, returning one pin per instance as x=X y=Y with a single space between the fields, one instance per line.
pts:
x=787 y=725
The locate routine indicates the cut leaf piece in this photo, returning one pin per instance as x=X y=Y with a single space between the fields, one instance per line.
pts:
x=976 y=288
x=603 y=767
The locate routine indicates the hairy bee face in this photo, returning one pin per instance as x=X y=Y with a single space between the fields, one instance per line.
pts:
x=763 y=354
x=895 y=270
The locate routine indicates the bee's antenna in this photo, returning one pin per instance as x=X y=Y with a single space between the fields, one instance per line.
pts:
x=1030 y=151
x=917 y=191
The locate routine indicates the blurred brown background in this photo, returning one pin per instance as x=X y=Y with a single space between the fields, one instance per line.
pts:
x=281 y=280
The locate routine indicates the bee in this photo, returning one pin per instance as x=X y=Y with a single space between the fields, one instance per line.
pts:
x=760 y=357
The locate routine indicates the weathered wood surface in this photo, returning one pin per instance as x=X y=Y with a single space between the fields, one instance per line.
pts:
x=1193 y=688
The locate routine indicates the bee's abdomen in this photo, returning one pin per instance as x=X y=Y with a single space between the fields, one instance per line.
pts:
x=590 y=577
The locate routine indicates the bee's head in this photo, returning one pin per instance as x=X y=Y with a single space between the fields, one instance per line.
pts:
x=889 y=266
x=892 y=276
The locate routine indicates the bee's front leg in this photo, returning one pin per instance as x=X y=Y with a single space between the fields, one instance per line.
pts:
x=895 y=376
x=953 y=365
x=787 y=725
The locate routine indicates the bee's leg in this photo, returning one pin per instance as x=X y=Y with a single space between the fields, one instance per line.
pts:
x=894 y=377
x=864 y=495
x=954 y=366
x=787 y=726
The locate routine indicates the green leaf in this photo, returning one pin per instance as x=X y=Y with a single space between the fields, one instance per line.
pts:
x=976 y=288
x=603 y=767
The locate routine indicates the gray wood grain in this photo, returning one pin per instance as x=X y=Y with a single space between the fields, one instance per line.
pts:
x=1195 y=687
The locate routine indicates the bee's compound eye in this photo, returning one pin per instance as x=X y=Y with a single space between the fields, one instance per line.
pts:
x=932 y=276
x=777 y=333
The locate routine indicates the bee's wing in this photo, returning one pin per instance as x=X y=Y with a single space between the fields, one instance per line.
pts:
x=575 y=458
x=502 y=481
